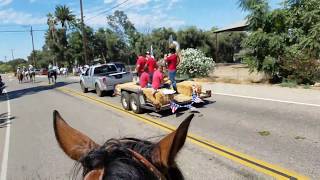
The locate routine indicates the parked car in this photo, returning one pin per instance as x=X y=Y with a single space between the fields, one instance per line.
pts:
x=37 y=71
x=43 y=71
x=103 y=78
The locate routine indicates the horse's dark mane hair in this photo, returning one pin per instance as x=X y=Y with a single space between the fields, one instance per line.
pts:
x=117 y=160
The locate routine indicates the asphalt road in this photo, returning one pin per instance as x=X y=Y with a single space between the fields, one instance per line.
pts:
x=291 y=139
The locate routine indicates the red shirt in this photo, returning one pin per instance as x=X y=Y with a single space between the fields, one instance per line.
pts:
x=141 y=61
x=172 y=61
x=152 y=64
x=144 y=79
x=157 y=79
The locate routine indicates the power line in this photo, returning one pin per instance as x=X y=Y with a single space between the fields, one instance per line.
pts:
x=20 y=31
x=21 y=25
x=108 y=10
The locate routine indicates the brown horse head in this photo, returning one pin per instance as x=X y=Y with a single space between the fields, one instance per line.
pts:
x=127 y=158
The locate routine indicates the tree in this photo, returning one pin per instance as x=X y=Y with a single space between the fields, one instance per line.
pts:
x=64 y=15
x=56 y=38
x=284 y=43
x=191 y=37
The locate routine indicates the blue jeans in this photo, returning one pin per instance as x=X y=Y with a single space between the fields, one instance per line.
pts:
x=150 y=77
x=172 y=77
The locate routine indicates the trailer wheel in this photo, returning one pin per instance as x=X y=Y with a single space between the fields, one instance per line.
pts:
x=83 y=88
x=98 y=91
x=125 y=100
x=135 y=103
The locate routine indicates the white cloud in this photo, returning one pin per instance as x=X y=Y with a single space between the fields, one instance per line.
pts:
x=21 y=18
x=145 y=14
x=32 y=1
x=135 y=2
x=172 y=3
x=108 y=1
x=150 y=21
x=5 y=2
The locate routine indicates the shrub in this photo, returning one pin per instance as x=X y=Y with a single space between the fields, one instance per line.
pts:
x=298 y=66
x=194 y=63
x=4 y=68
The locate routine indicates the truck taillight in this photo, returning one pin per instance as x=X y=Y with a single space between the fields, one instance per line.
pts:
x=104 y=80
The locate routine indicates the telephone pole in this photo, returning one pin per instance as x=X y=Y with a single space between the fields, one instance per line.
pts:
x=12 y=54
x=33 y=52
x=84 y=38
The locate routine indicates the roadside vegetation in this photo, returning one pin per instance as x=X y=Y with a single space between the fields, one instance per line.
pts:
x=284 y=43
x=121 y=41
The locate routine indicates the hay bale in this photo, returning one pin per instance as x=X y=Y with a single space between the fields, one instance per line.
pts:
x=187 y=88
x=182 y=98
x=132 y=85
x=158 y=99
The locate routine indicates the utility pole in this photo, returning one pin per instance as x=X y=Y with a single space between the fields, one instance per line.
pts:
x=217 y=48
x=12 y=54
x=84 y=38
x=5 y=58
x=33 y=52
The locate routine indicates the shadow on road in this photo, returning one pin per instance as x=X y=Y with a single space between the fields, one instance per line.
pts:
x=32 y=90
x=5 y=120
x=181 y=111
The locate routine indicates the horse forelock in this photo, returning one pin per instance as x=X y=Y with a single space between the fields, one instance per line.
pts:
x=116 y=160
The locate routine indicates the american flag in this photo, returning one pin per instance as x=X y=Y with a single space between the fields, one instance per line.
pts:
x=174 y=107
x=196 y=99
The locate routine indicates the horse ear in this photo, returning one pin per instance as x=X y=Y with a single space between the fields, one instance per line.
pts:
x=166 y=150
x=72 y=142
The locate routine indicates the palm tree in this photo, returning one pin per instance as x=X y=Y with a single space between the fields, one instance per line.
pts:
x=64 y=15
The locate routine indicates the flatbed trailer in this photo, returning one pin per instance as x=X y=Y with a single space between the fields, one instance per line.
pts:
x=134 y=99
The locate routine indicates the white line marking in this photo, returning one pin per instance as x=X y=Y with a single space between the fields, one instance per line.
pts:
x=269 y=99
x=4 y=165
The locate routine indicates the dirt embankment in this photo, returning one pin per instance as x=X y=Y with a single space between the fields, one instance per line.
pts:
x=234 y=73
x=240 y=74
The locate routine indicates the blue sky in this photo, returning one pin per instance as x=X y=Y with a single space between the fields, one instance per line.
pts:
x=145 y=14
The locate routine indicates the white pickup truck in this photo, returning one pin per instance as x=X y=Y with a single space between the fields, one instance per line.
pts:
x=103 y=78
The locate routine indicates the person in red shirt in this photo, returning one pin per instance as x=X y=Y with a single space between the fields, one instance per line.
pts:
x=141 y=61
x=151 y=64
x=172 y=60
x=157 y=80
x=144 y=79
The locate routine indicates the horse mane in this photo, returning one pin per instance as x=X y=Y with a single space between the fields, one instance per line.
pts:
x=117 y=160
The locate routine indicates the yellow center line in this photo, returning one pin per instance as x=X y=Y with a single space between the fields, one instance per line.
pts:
x=246 y=160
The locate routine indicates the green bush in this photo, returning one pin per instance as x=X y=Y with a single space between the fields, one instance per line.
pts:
x=4 y=68
x=299 y=67
x=194 y=63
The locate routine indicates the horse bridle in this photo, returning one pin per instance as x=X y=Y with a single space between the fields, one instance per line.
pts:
x=138 y=157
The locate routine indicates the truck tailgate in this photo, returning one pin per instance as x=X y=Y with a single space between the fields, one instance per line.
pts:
x=119 y=78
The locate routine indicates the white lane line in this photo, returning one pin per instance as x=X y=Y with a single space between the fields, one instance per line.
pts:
x=269 y=99
x=4 y=164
